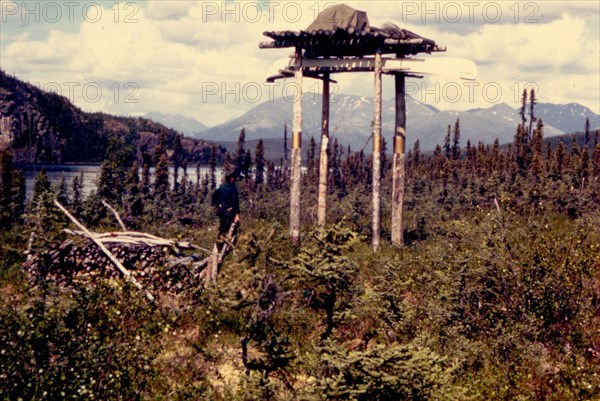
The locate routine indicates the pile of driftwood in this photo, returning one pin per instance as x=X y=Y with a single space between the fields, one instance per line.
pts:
x=151 y=263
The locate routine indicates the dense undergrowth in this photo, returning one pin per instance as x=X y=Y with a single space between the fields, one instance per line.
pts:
x=501 y=306
x=494 y=296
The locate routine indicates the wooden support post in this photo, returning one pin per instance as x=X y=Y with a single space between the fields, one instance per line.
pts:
x=375 y=242
x=323 y=159
x=296 y=156
x=398 y=162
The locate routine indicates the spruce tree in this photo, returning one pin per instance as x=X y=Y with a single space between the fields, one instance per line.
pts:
x=584 y=169
x=536 y=167
x=212 y=164
x=271 y=176
x=42 y=184
x=438 y=160
x=382 y=373
x=18 y=196
x=559 y=159
x=523 y=107
x=247 y=165
x=6 y=170
x=481 y=156
x=537 y=147
x=384 y=161
x=456 y=141
x=161 y=148
x=197 y=187
x=469 y=156
x=532 y=103
x=177 y=159
x=311 y=164
x=575 y=149
x=184 y=178
x=447 y=147
x=119 y=156
x=285 y=143
x=46 y=221
x=146 y=163
x=77 y=198
x=259 y=161
x=323 y=269
x=134 y=203
x=12 y=191
x=205 y=186
x=63 y=192
x=574 y=165
x=281 y=172
x=537 y=140
x=522 y=149
x=416 y=154
x=587 y=131
x=6 y=175
x=495 y=155
x=596 y=161
x=109 y=185
x=336 y=166
x=161 y=178
x=240 y=152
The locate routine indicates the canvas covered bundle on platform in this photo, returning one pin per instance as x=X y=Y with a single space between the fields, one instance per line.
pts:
x=342 y=31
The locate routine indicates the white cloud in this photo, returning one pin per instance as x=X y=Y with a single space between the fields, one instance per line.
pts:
x=469 y=16
x=168 y=10
x=180 y=53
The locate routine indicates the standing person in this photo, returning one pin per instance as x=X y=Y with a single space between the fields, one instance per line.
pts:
x=226 y=201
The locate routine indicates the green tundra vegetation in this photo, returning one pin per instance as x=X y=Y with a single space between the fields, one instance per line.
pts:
x=495 y=294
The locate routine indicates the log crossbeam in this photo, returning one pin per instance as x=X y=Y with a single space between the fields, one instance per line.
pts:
x=451 y=67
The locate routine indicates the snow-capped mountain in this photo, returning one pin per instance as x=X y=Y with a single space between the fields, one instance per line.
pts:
x=351 y=118
x=567 y=117
x=186 y=125
x=350 y=115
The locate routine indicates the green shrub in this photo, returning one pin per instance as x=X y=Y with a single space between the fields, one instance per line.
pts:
x=94 y=344
x=384 y=373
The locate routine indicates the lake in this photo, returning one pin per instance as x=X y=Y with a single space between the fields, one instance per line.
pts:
x=90 y=173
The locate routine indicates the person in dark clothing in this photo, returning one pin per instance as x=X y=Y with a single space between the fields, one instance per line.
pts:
x=226 y=201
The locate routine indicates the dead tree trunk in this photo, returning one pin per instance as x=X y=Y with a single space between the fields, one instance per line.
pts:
x=398 y=162
x=323 y=160
x=296 y=156
x=375 y=242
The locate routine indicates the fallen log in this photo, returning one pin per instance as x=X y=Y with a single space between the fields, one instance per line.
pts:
x=134 y=237
x=125 y=237
x=187 y=245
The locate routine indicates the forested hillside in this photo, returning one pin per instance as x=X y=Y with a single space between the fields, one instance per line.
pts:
x=43 y=127
x=495 y=294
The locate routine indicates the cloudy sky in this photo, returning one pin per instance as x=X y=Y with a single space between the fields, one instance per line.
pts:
x=201 y=58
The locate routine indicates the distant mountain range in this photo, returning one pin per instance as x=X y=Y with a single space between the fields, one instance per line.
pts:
x=186 y=125
x=45 y=127
x=351 y=118
x=567 y=117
